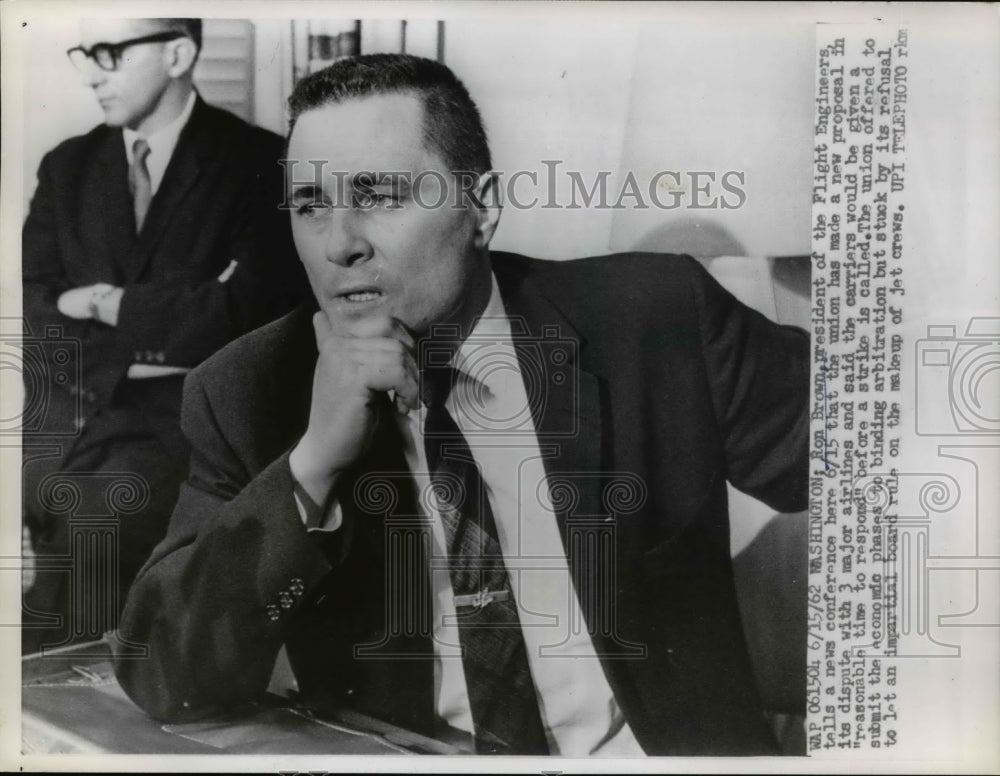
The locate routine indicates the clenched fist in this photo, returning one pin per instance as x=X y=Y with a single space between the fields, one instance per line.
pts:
x=354 y=372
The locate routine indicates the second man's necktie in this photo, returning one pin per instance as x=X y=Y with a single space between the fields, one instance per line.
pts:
x=498 y=677
x=139 y=183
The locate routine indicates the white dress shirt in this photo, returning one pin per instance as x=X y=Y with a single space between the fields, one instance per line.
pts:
x=161 y=144
x=577 y=706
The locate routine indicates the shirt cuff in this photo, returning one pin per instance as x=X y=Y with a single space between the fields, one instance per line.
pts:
x=314 y=517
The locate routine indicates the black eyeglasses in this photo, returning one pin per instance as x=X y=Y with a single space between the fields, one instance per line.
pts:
x=108 y=55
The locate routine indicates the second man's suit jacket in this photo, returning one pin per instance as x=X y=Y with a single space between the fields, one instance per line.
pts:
x=218 y=203
x=672 y=387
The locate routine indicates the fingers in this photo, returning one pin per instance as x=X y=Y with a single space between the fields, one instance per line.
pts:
x=390 y=373
x=407 y=394
x=378 y=355
x=381 y=326
x=401 y=404
x=321 y=325
x=401 y=333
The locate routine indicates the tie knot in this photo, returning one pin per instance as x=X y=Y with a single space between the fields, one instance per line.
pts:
x=436 y=383
x=140 y=150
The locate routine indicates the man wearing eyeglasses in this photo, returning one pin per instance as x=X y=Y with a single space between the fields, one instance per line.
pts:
x=151 y=241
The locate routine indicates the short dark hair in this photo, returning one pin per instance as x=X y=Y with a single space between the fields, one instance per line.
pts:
x=190 y=27
x=452 y=124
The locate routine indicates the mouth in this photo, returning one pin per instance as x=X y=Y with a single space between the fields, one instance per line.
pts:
x=361 y=296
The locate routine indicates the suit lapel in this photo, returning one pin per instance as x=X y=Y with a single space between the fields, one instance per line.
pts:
x=565 y=402
x=570 y=426
x=108 y=202
x=191 y=155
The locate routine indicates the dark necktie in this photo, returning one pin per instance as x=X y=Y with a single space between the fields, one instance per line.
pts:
x=139 y=183
x=494 y=657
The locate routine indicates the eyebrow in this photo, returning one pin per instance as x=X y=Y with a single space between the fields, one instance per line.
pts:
x=370 y=180
x=307 y=191
x=362 y=180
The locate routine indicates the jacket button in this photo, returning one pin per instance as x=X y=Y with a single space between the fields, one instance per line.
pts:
x=286 y=600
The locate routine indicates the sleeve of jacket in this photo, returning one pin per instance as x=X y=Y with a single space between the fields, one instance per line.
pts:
x=43 y=275
x=212 y=603
x=758 y=373
x=255 y=276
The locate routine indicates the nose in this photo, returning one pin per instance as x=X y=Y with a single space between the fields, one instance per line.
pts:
x=346 y=243
x=92 y=75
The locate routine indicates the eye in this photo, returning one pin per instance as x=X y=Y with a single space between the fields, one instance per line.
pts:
x=311 y=209
x=106 y=56
x=365 y=199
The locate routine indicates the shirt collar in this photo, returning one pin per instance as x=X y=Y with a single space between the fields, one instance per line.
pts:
x=163 y=141
x=488 y=347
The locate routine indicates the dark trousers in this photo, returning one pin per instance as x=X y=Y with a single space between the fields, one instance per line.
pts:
x=95 y=505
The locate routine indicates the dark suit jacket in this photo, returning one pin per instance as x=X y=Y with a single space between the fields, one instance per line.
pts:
x=217 y=202
x=673 y=388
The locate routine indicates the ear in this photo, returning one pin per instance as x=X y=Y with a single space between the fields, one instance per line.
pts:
x=181 y=55
x=487 y=196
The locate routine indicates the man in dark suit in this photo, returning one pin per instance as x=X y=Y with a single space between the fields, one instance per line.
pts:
x=474 y=493
x=151 y=241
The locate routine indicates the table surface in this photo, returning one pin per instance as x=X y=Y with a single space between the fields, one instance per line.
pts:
x=72 y=704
